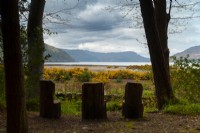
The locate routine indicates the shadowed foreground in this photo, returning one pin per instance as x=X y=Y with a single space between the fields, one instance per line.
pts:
x=153 y=122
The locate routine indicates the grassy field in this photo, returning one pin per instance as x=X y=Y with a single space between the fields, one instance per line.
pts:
x=181 y=115
x=114 y=93
x=68 y=80
x=69 y=83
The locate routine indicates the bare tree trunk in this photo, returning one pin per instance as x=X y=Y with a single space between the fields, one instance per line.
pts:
x=15 y=94
x=35 y=47
x=161 y=74
x=162 y=19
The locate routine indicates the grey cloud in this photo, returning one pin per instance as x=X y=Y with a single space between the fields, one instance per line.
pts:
x=92 y=16
x=89 y=26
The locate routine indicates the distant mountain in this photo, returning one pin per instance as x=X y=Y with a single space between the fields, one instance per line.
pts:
x=88 y=56
x=193 y=52
x=57 y=55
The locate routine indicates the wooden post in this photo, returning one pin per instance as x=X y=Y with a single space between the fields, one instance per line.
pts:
x=93 y=105
x=132 y=106
x=48 y=107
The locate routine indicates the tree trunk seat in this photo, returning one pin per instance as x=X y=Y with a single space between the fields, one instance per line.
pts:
x=132 y=105
x=93 y=104
x=49 y=108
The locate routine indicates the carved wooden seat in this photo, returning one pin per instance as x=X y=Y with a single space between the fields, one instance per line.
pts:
x=49 y=108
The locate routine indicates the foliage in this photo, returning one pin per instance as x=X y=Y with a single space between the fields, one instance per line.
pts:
x=139 y=67
x=71 y=107
x=184 y=109
x=56 y=74
x=114 y=105
x=118 y=79
x=185 y=79
x=84 y=75
x=101 y=77
x=128 y=74
x=149 y=101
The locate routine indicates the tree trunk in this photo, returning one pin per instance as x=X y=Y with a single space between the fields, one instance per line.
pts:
x=35 y=47
x=162 y=20
x=161 y=74
x=15 y=94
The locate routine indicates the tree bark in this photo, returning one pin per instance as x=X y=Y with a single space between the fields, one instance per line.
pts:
x=161 y=74
x=35 y=47
x=132 y=106
x=49 y=108
x=93 y=105
x=14 y=77
x=162 y=19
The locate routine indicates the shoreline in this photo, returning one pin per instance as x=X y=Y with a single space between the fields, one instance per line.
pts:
x=90 y=67
x=112 y=64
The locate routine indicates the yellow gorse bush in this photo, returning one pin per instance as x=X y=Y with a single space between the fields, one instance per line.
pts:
x=102 y=76
x=55 y=73
x=128 y=74
x=142 y=67
x=75 y=72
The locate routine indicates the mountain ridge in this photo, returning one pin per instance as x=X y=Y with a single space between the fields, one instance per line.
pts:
x=57 y=55
x=193 y=52
x=89 y=56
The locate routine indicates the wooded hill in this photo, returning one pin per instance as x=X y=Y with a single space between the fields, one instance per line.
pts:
x=57 y=55
x=65 y=55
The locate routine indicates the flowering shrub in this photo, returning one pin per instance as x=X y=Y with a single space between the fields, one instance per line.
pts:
x=101 y=77
x=142 y=67
x=57 y=74
x=75 y=72
x=128 y=74
x=84 y=75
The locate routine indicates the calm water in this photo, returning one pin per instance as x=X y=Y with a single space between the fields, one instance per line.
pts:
x=99 y=63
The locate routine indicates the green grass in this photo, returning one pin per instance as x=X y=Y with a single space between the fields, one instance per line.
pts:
x=183 y=109
x=148 y=93
x=71 y=107
x=114 y=106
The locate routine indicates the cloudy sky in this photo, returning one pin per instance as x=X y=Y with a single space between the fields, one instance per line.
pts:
x=113 y=26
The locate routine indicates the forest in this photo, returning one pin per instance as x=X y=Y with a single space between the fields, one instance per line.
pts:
x=36 y=98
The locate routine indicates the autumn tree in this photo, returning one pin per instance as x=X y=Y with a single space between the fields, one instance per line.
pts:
x=14 y=77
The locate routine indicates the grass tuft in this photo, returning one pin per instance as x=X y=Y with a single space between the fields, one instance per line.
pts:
x=183 y=109
x=71 y=107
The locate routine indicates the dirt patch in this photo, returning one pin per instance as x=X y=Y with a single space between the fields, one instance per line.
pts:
x=151 y=123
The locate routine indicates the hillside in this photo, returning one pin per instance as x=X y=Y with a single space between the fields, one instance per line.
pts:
x=88 y=56
x=57 y=55
x=193 y=52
